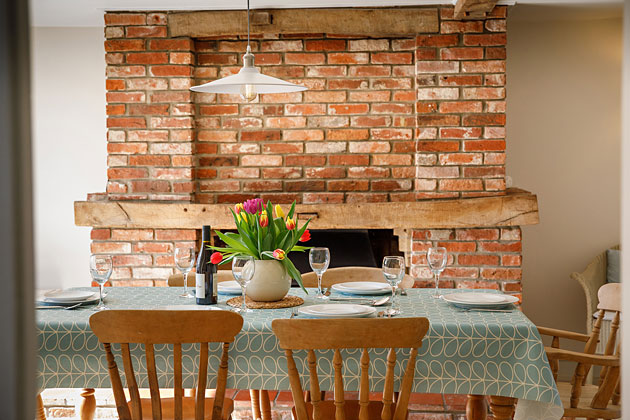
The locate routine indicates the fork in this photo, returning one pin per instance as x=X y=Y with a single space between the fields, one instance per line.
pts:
x=67 y=308
x=485 y=310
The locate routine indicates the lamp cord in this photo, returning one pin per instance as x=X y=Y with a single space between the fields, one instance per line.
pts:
x=247 y=23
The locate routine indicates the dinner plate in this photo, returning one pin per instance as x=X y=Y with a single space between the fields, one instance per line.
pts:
x=67 y=296
x=362 y=288
x=332 y=310
x=229 y=288
x=479 y=300
x=91 y=300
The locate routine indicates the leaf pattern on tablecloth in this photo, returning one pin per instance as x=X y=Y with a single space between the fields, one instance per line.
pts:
x=463 y=353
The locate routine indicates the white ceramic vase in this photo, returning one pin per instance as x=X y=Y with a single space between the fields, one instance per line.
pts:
x=270 y=283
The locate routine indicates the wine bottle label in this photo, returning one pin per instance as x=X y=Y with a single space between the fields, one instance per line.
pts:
x=214 y=286
x=200 y=285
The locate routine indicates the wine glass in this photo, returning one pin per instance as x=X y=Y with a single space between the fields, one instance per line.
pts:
x=393 y=271
x=436 y=258
x=184 y=260
x=243 y=267
x=319 y=259
x=101 y=269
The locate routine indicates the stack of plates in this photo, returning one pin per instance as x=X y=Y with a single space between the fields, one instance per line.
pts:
x=69 y=297
x=229 y=288
x=362 y=288
x=342 y=310
x=480 y=300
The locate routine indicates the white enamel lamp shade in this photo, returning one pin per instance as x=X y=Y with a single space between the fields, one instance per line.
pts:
x=248 y=76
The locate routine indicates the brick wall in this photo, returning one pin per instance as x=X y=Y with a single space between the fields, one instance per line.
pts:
x=384 y=119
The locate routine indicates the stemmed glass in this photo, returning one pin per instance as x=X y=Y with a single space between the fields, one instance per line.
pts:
x=243 y=268
x=101 y=269
x=436 y=258
x=319 y=259
x=394 y=271
x=184 y=260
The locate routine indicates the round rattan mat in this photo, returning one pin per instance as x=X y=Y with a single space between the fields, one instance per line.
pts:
x=287 y=302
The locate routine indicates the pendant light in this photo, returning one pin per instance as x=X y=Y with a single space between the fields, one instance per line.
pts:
x=249 y=82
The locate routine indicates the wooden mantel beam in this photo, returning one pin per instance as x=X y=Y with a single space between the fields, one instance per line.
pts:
x=516 y=208
x=355 y=21
x=473 y=9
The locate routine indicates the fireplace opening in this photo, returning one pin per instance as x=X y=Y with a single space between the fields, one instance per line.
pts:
x=350 y=247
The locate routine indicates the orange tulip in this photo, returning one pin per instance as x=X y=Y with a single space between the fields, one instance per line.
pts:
x=264 y=220
x=290 y=224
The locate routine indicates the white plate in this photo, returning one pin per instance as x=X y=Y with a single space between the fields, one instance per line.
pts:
x=362 y=288
x=478 y=300
x=91 y=300
x=67 y=296
x=229 y=288
x=342 y=310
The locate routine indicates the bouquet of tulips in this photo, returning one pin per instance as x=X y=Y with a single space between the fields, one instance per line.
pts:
x=263 y=236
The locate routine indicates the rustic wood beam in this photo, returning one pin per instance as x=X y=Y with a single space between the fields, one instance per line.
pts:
x=356 y=21
x=473 y=9
x=516 y=208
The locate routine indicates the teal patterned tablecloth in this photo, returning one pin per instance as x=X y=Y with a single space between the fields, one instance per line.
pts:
x=486 y=353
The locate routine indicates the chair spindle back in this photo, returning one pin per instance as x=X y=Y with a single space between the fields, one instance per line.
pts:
x=609 y=296
x=149 y=327
x=337 y=334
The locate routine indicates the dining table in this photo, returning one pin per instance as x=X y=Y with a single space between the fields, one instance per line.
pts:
x=476 y=353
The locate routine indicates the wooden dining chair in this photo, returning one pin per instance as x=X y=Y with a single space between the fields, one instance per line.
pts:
x=337 y=334
x=151 y=327
x=177 y=280
x=351 y=274
x=261 y=405
x=579 y=398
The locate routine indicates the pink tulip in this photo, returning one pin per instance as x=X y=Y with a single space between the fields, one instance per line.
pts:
x=253 y=206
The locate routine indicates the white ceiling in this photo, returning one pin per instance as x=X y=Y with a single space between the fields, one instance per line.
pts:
x=90 y=12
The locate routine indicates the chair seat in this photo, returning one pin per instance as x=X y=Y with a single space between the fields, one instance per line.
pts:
x=188 y=408
x=351 y=407
x=583 y=409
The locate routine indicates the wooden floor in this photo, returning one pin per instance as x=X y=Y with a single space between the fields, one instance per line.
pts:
x=62 y=404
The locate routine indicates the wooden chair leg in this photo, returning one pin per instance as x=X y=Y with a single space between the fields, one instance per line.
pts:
x=476 y=408
x=40 y=414
x=265 y=405
x=502 y=408
x=254 y=396
x=88 y=405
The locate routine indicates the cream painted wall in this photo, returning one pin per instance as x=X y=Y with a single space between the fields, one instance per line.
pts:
x=564 y=144
x=69 y=147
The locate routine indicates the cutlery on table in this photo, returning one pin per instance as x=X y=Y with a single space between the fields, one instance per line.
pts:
x=384 y=314
x=364 y=301
x=59 y=307
x=485 y=310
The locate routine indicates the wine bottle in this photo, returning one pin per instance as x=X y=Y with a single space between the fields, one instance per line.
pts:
x=206 y=285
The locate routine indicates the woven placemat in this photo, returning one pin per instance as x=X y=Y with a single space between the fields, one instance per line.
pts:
x=287 y=302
